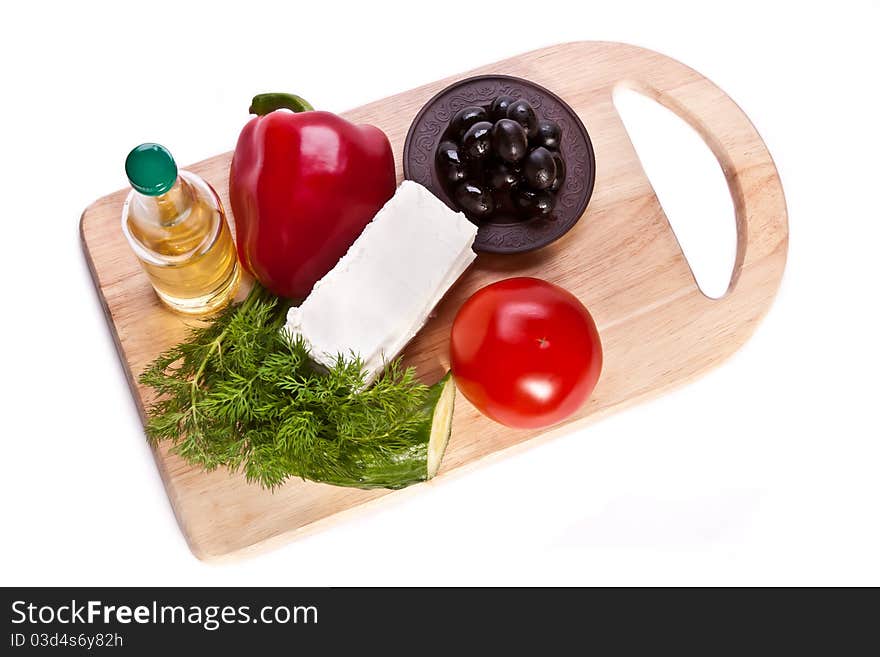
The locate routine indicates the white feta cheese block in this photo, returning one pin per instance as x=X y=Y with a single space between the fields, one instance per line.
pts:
x=381 y=292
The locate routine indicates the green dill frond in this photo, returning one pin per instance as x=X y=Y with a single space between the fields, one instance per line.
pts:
x=242 y=393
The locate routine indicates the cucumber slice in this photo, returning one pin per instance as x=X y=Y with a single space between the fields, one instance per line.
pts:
x=441 y=421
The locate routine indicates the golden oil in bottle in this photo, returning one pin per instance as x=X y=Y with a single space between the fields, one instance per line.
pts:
x=175 y=224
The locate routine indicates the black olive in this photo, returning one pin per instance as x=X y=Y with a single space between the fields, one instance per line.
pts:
x=521 y=112
x=477 y=141
x=509 y=140
x=544 y=204
x=464 y=119
x=524 y=200
x=455 y=173
x=539 y=168
x=503 y=178
x=560 y=173
x=498 y=110
x=447 y=153
x=534 y=204
x=474 y=200
x=549 y=135
x=450 y=163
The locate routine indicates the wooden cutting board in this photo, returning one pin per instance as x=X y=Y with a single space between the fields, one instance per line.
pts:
x=622 y=260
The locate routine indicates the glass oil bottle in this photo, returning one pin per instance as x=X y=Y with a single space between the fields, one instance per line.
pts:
x=176 y=225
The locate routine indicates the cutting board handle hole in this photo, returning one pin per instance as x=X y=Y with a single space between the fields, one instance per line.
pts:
x=689 y=184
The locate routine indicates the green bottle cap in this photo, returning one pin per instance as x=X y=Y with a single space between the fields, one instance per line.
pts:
x=151 y=169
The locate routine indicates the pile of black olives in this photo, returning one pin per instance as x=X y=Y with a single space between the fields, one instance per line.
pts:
x=501 y=162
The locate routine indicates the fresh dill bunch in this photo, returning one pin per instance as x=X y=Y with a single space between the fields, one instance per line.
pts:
x=242 y=393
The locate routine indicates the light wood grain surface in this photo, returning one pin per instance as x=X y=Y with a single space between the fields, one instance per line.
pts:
x=622 y=260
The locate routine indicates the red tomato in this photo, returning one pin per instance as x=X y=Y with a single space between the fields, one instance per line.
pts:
x=525 y=352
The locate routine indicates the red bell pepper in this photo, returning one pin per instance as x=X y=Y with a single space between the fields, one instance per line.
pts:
x=303 y=186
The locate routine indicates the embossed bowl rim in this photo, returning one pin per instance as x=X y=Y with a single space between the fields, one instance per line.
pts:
x=549 y=231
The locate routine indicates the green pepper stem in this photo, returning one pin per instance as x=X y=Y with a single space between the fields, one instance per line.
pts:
x=262 y=104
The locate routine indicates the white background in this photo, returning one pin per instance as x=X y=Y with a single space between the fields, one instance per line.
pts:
x=763 y=472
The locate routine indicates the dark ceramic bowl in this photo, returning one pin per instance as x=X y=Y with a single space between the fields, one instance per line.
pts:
x=506 y=234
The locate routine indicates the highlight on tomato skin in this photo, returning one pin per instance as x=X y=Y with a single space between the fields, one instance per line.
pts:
x=525 y=352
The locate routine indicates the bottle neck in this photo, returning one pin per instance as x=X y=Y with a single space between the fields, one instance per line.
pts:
x=166 y=209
